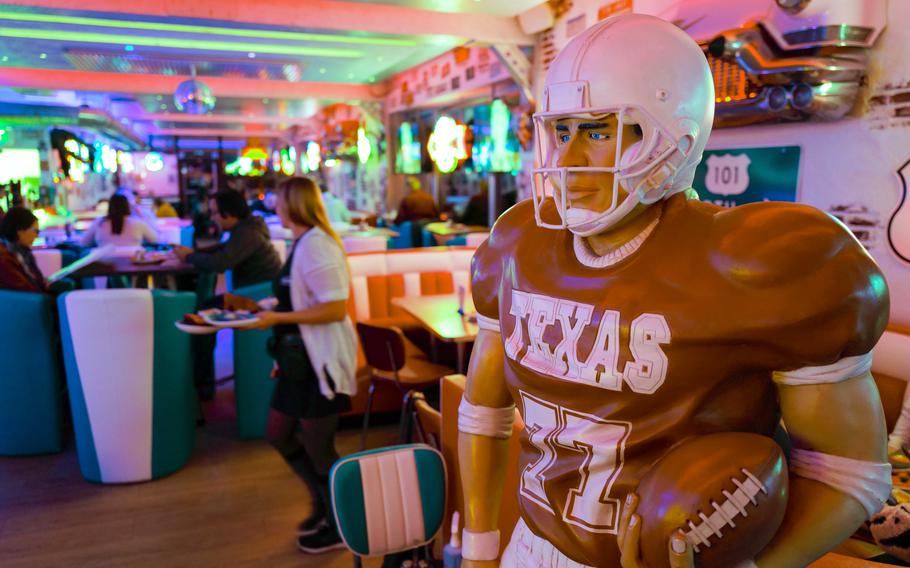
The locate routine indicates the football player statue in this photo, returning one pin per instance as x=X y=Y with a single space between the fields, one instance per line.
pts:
x=622 y=316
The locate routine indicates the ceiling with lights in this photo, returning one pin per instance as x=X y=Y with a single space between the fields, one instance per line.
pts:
x=270 y=65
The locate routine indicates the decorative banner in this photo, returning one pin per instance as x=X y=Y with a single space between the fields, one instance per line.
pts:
x=459 y=70
x=746 y=175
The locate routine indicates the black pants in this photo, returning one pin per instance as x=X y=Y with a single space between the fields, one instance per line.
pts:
x=204 y=350
x=311 y=459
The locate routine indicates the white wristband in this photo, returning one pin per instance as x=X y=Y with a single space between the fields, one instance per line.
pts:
x=479 y=545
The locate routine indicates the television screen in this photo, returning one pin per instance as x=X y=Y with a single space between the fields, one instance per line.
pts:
x=495 y=146
x=409 y=155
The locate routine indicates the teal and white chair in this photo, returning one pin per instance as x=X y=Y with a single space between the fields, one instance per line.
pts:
x=253 y=385
x=31 y=382
x=389 y=500
x=130 y=382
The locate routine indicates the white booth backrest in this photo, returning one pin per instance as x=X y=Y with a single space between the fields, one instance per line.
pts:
x=365 y=244
x=112 y=334
x=891 y=356
x=169 y=235
x=49 y=261
x=410 y=264
x=476 y=239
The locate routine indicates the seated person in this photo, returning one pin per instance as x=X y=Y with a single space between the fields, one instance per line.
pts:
x=119 y=228
x=18 y=269
x=248 y=252
x=475 y=213
x=164 y=209
x=335 y=208
x=417 y=205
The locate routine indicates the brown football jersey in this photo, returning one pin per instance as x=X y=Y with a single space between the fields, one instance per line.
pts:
x=610 y=367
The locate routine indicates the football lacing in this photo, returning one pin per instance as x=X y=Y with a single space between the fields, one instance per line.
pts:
x=724 y=514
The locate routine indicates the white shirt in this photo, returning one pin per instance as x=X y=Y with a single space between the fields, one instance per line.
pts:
x=319 y=274
x=133 y=234
x=335 y=209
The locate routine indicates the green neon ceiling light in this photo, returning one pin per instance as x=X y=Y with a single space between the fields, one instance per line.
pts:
x=89 y=37
x=186 y=28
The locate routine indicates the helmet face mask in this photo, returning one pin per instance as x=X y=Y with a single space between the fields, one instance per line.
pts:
x=663 y=85
x=634 y=171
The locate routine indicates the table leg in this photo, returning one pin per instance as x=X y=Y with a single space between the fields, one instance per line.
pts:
x=460 y=362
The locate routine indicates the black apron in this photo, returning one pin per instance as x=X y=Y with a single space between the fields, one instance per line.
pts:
x=297 y=393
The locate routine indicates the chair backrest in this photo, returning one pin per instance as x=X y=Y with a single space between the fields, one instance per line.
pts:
x=383 y=347
x=421 y=423
x=365 y=244
x=129 y=375
x=49 y=261
x=389 y=500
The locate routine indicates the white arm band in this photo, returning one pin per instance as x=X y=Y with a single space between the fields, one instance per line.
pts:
x=485 y=420
x=846 y=368
x=867 y=482
x=489 y=324
x=479 y=545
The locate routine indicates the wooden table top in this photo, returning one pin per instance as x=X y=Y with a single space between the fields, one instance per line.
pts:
x=124 y=266
x=440 y=315
x=445 y=230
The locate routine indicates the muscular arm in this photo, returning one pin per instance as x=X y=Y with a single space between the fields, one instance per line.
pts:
x=843 y=419
x=482 y=460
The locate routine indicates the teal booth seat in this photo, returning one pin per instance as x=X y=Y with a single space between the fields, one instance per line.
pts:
x=130 y=381
x=31 y=383
x=253 y=385
x=405 y=238
x=390 y=499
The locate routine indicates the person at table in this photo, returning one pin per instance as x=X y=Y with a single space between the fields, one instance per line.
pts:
x=119 y=227
x=137 y=209
x=163 y=209
x=335 y=208
x=478 y=207
x=315 y=350
x=248 y=253
x=18 y=269
x=417 y=205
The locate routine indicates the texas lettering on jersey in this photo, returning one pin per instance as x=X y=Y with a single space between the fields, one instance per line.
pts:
x=534 y=313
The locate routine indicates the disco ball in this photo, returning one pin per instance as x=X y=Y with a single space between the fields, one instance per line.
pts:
x=194 y=97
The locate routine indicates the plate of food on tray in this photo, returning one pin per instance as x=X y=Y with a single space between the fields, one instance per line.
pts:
x=143 y=257
x=194 y=324
x=228 y=318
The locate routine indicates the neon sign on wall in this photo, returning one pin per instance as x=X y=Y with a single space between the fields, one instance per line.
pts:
x=447 y=144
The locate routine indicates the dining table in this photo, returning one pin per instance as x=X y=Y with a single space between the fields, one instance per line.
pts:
x=443 y=231
x=439 y=314
x=122 y=265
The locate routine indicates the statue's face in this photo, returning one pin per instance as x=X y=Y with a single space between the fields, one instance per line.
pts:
x=588 y=142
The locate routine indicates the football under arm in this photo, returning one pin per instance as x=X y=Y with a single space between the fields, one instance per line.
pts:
x=842 y=419
x=482 y=458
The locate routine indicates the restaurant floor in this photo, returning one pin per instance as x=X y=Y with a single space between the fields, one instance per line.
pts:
x=236 y=503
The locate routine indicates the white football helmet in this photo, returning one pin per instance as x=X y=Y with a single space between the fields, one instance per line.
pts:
x=646 y=71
